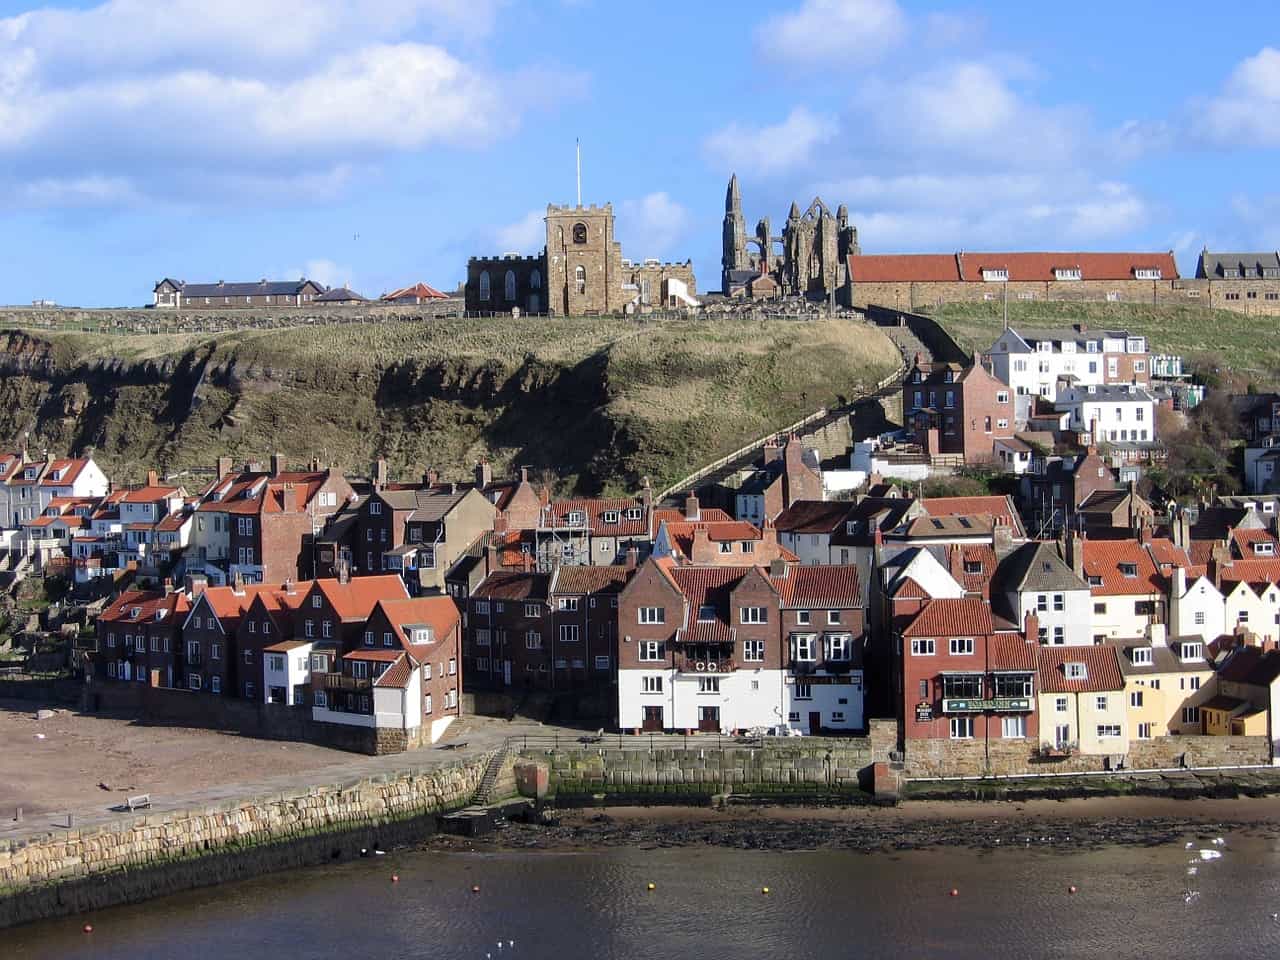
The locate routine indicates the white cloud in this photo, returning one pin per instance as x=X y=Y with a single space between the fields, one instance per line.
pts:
x=772 y=150
x=526 y=236
x=324 y=271
x=652 y=226
x=279 y=94
x=1245 y=112
x=823 y=32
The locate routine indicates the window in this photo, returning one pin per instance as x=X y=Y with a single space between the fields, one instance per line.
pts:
x=579 y=233
x=753 y=651
x=1059 y=602
x=802 y=617
x=753 y=615
x=962 y=728
x=484 y=284
x=580 y=279
x=1042 y=602
x=1191 y=651
x=193 y=681
x=838 y=647
x=708 y=684
x=530 y=611
x=706 y=613
x=651 y=650
x=1076 y=671
x=359 y=669
x=568 y=633
x=803 y=648
x=653 y=615
x=651 y=684
x=1060 y=704
x=215 y=651
x=1140 y=656
x=961 y=646
x=726 y=546
x=833 y=618
x=1108 y=730
x=1190 y=714
x=482 y=638
x=804 y=691
x=509 y=286
x=248 y=657
x=1002 y=396
x=923 y=648
x=482 y=606
x=1012 y=685
x=1101 y=702
x=1135 y=698
x=603 y=663
x=1013 y=728
x=319 y=663
x=388 y=638
x=1099 y=608
x=1194 y=683
x=1129 y=570
x=315 y=601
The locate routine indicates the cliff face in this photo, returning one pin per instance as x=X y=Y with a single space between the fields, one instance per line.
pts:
x=599 y=407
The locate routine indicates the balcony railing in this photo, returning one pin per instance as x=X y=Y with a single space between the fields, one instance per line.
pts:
x=982 y=704
x=340 y=681
x=705 y=665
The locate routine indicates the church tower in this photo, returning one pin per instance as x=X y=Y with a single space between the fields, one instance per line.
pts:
x=734 y=251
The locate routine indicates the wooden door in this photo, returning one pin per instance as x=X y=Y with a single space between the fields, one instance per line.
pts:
x=709 y=719
x=652 y=719
x=815 y=723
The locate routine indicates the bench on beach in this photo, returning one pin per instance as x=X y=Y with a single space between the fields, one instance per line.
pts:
x=599 y=735
x=141 y=802
x=453 y=746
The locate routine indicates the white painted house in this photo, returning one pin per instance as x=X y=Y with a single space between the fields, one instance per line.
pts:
x=1037 y=581
x=1116 y=413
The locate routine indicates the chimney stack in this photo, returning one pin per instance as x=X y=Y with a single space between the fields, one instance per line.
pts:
x=692 y=509
x=223 y=466
x=195 y=584
x=379 y=473
x=1031 y=628
x=344 y=572
x=237 y=584
x=484 y=474
x=777 y=567
x=289 y=499
x=431 y=478
x=153 y=478
x=524 y=474
x=277 y=464
x=632 y=558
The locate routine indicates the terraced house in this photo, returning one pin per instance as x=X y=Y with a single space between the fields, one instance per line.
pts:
x=139 y=638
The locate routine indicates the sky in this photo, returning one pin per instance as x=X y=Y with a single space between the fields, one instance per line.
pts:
x=382 y=142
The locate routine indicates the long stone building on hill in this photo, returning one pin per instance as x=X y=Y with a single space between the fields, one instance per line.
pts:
x=580 y=272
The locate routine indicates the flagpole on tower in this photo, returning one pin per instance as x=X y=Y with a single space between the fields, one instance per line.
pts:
x=577 y=144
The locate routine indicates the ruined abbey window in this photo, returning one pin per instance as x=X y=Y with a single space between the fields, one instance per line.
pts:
x=484 y=284
x=509 y=286
x=579 y=233
x=580 y=277
x=535 y=280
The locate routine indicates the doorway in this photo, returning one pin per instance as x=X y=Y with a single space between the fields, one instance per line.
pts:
x=815 y=723
x=709 y=719
x=652 y=720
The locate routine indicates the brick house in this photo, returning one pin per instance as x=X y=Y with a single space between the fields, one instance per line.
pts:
x=139 y=636
x=268 y=624
x=583 y=629
x=210 y=655
x=506 y=621
x=965 y=675
x=594 y=531
x=957 y=410
x=710 y=537
x=262 y=524
x=789 y=472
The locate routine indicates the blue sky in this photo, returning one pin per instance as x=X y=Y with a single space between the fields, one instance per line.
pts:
x=381 y=142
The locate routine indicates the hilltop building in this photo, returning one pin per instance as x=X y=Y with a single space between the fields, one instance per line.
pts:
x=580 y=272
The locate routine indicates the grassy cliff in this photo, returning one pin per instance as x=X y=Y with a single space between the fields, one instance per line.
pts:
x=598 y=402
x=1242 y=349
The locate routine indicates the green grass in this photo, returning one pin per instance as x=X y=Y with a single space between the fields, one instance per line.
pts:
x=1243 y=348
x=599 y=403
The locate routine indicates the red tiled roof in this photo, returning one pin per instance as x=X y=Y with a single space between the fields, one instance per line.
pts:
x=949 y=617
x=420 y=290
x=378 y=654
x=172 y=523
x=705 y=515
x=1025 y=266
x=1249 y=664
x=557 y=512
x=229 y=605
x=1102 y=559
x=269 y=498
x=1245 y=539
x=977 y=553
x=439 y=613
x=1010 y=652
x=914 y=267
x=147 y=603
x=819 y=586
x=1250 y=571
x=908 y=588
x=584 y=579
x=73 y=470
x=355 y=599
x=1101 y=663
x=149 y=494
x=398 y=674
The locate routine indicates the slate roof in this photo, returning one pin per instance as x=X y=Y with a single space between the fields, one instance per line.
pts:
x=250 y=288
x=812 y=516
x=1214 y=266
x=1101 y=663
x=513 y=586
x=338 y=295
x=1163 y=659
x=1250 y=665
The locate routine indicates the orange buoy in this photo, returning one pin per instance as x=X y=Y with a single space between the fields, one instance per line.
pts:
x=88 y=928
x=955 y=892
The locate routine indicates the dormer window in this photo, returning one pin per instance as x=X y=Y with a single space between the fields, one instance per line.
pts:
x=634 y=513
x=973 y=566
x=995 y=274
x=610 y=516
x=706 y=613
x=1094 y=580
x=1075 y=671
x=1067 y=273
x=1140 y=656
x=1191 y=651
x=135 y=613
x=1265 y=548
x=1146 y=273
x=576 y=518
x=421 y=635
x=1128 y=570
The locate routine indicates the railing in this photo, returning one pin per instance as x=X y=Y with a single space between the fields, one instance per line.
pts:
x=712 y=665
x=340 y=681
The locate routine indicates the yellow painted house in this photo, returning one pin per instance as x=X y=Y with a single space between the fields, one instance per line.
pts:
x=1166 y=684
x=1082 y=699
x=1248 y=693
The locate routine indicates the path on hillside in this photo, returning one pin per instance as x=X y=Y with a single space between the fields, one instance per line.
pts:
x=908 y=346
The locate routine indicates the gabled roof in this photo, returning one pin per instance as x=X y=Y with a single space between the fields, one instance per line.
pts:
x=150 y=494
x=355 y=599
x=1000 y=508
x=802 y=587
x=667 y=515
x=437 y=613
x=583 y=580
x=338 y=295
x=556 y=514
x=1010 y=651
x=1212 y=266
x=505 y=585
x=419 y=291
x=146 y=603
x=1103 y=559
x=1038 y=567
x=1250 y=665
x=965 y=617
x=708 y=587
x=72 y=468
x=1102 y=669
x=812 y=516
x=1253 y=572
x=398 y=674
x=250 y=288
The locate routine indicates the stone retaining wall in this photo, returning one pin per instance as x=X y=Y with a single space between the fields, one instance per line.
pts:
x=818 y=766
x=146 y=855
x=1004 y=758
